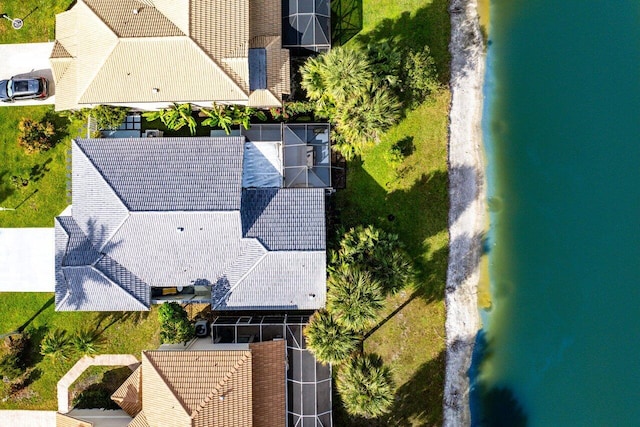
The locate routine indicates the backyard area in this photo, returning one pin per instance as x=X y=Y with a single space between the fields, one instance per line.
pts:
x=412 y=201
x=409 y=199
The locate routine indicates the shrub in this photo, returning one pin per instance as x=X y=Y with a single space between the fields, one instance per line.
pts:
x=56 y=345
x=329 y=341
x=175 y=117
x=36 y=136
x=86 y=341
x=109 y=117
x=354 y=298
x=419 y=75
x=365 y=386
x=175 y=326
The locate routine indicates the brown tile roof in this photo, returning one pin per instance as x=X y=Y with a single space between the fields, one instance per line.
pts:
x=139 y=421
x=59 y=51
x=119 y=16
x=127 y=396
x=67 y=421
x=269 y=384
x=209 y=387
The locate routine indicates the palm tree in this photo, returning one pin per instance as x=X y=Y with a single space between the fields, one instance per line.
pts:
x=365 y=386
x=336 y=75
x=55 y=345
x=354 y=298
x=175 y=117
x=367 y=114
x=380 y=253
x=328 y=340
x=86 y=341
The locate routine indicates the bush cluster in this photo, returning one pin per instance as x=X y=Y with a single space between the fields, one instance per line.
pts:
x=175 y=326
x=36 y=136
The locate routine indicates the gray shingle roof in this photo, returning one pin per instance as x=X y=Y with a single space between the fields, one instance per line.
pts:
x=90 y=290
x=281 y=280
x=88 y=280
x=290 y=219
x=170 y=174
x=171 y=212
x=97 y=209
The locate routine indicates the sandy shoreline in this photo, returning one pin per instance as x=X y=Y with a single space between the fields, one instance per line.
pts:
x=467 y=214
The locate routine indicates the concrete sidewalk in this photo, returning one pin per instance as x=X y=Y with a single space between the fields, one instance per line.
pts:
x=27 y=60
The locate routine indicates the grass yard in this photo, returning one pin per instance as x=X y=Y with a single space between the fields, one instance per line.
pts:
x=38 y=191
x=129 y=333
x=39 y=18
x=411 y=201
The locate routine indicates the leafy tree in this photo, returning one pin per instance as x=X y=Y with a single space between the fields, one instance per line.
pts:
x=13 y=362
x=175 y=326
x=36 y=136
x=329 y=341
x=380 y=253
x=419 y=75
x=354 y=298
x=365 y=386
x=56 y=345
x=175 y=117
x=86 y=341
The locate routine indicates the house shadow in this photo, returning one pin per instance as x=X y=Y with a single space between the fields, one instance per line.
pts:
x=428 y=26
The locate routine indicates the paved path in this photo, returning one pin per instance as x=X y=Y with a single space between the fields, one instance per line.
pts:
x=81 y=365
x=27 y=60
x=28 y=418
x=27 y=259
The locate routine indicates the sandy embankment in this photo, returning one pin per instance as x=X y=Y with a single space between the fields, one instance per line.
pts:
x=467 y=214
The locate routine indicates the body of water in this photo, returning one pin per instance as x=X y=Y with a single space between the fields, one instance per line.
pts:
x=561 y=343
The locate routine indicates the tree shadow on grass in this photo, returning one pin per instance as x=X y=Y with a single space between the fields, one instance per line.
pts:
x=60 y=124
x=106 y=319
x=428 y=26
x=415 y=214
x=6 y=188
x=418 y=402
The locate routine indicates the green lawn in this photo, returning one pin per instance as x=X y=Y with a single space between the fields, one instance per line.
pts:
x=413 y=202
x=129 y=333
x=44 y=195
x=39 y=20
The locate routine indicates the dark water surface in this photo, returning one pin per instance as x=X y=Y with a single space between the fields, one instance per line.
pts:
x=562 y=130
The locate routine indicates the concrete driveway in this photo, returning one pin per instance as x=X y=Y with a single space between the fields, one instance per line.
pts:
x=27 y=260
x=27 y=60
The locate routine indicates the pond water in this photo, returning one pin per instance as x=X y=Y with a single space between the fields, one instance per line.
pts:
x=561 y=342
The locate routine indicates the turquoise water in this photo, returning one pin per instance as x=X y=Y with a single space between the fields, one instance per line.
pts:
x=562 y=128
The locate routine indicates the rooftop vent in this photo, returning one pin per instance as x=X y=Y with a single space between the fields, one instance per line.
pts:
x=180 y=229
x=136 y=11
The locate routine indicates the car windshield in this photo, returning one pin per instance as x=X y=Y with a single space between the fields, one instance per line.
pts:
x=10 y=88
